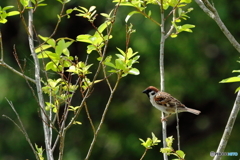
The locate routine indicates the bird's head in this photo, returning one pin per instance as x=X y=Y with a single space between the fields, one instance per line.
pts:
x=151 y=91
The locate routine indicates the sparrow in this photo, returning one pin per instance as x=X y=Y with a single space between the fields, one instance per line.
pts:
x=166 y=103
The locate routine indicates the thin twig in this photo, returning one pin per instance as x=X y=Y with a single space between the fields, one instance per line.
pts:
x=1 y=47
x=178 y=129
x=212 y=12
x=103 y=117
x=21 y=128
x=144 y=154
x=15 y=71
x=90 y=119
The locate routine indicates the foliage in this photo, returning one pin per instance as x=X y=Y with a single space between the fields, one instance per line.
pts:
x=4 y=14
x=233 y=79
x=73 y=73
x=141 y=7
x=150 y=142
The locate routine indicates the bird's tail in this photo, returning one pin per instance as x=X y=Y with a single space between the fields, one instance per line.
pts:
x=194 y=111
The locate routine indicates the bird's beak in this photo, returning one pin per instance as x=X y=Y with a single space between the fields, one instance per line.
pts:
x=145 y=91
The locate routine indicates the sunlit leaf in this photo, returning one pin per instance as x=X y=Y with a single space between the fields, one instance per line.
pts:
x=13 y=13
x=231 y=79
x=134 y=71
x=84 y=38
x=42 y=48
x=7 y=7
x=130 y=15
x=180 y=153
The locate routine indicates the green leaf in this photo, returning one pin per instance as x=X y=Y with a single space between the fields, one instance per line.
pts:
x=60 y=47
x=51 y=42
x=134 y=71
x=103 y=26
x=77 y=122
x=169 y=141
x=130 y=15
x=48 y=40
x=186 y=28
x=181 y=154
x=41 y=5
x=237 y=89
x=24 y=2
x=69 y=11
x=52 y=66
x=42 y=48
x=186 y=1
x=7 y=7
x=234 y=71
x=13 y=13
x=166 y=150
x=147 y=144
x=121 y=51
x=84 y=38
x=120 y=56
x=173 y=35
x=92 y=8
x=3 y=21
x=120 y=64
x=45 y=54
x=230 y=80
x=105 y=15
x=90 y=48
x=155 y=140
x=173 y=3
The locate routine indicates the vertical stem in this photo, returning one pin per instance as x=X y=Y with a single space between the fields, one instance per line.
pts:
x=177 y=127
x=161 y=63
x=229 y=127
x=1 y=47
x=46 y=128
x=103 y=117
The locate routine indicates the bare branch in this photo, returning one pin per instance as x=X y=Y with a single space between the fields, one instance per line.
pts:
x=1 y=47
x=103 y=117
x=212 y=12
x=178 y=129
x=21 y=128
x=15 y=71
x=46 y=128
x=229 y=127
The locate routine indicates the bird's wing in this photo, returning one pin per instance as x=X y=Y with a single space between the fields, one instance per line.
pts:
x=165 y=99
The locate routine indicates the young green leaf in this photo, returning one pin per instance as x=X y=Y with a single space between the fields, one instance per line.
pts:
x=180 y=153
x=230 y=80
x=130 y=15
x=134 y=71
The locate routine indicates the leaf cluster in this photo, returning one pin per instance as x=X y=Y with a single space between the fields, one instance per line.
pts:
x=4 y=14
x=150 y=142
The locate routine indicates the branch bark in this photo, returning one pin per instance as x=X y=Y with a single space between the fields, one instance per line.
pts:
x=46 y=128
x=211 y=11
x=161 y=65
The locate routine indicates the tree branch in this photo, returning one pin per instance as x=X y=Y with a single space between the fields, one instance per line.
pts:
x=212 y=12
x=2 y=63
x=46 y=128
x=161 y=65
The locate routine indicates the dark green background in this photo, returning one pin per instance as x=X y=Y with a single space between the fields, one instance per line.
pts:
x=194 y=65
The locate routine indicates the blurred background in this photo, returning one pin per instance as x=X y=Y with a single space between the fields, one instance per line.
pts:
x=194 y=65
